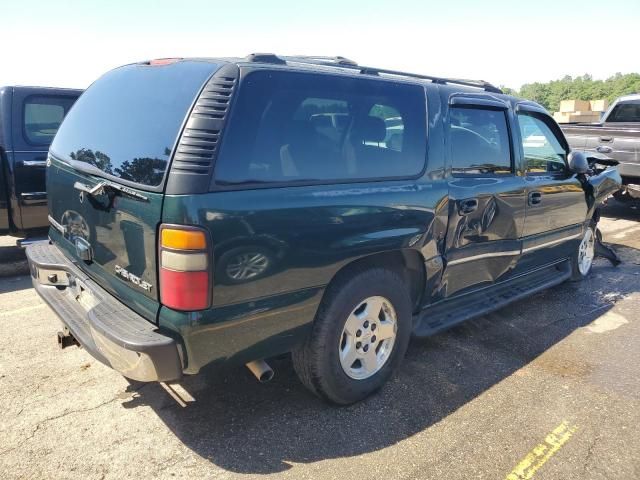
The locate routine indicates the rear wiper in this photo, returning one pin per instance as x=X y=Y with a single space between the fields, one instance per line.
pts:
x=102 y=187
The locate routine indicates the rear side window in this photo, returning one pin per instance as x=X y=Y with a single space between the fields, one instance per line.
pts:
x=127 y=122
x=43 y=115
x=625 y=112
x=297 y=127
x=479 y=140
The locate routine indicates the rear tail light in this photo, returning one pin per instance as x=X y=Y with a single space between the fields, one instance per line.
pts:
x=185 y=281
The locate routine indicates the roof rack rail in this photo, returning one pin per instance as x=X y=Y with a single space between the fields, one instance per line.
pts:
x=265 y=58
x=342 y=62
x=441 y=80
x=320 y=60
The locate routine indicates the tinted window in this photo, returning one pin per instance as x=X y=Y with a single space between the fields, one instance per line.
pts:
x=295 y=127
x=127 y=122
x=42 y=117
x=625 y=112
x=542 y=149
x=479 y=140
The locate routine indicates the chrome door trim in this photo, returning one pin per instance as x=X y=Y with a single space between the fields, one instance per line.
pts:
x=552 y=242
x=484 y=255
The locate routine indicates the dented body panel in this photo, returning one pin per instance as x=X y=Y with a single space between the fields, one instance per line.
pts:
x=455 y=235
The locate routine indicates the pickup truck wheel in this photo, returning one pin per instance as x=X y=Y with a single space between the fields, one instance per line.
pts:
x=623 y=196
x=582 y=261
x=359 y=337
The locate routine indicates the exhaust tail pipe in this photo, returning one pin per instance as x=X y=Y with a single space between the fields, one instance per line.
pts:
x=261 y=370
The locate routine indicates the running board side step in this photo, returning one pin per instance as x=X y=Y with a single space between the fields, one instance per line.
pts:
x=447 y=313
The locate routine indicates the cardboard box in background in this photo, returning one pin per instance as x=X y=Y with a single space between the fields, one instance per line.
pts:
x=568 y=106
x=561 y=117
x=599 y=105
x=572 y=117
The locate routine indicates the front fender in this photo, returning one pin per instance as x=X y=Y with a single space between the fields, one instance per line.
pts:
x=599 y=187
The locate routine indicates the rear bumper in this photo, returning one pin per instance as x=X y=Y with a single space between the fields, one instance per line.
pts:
x=109 y=330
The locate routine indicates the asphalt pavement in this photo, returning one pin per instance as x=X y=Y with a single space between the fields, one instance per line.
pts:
x=546 y=388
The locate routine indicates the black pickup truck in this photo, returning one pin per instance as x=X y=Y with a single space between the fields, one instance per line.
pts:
x=29 y=119
x=617 y=136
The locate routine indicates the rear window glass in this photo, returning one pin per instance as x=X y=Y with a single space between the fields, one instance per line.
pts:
x=43 y=115
x=297 y=127
x=127 y=122
x=479 y=140
x=625 y=112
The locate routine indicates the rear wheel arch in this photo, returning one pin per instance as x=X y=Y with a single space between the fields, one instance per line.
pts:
x=408 y=263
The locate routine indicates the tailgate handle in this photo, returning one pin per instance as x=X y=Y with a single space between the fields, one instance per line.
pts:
x=35 y=163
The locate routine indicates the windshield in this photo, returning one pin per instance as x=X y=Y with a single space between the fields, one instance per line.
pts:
x=127 y=122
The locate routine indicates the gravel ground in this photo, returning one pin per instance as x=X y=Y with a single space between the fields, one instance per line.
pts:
x=547 y=387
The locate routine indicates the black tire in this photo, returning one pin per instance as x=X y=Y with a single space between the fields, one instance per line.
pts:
x=623 y=197
x=317 y=361
x=576 y=274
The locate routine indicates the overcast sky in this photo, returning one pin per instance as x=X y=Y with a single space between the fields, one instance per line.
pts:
x=71 y=43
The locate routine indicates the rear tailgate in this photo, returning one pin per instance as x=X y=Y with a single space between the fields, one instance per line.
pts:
x=107 y=170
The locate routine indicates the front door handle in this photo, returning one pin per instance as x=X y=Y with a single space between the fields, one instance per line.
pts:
x=465 y=207
x=535 y=198
x=606 y=139
x=604 y=149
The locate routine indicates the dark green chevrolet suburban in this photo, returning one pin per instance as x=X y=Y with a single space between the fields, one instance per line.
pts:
x=205 y=211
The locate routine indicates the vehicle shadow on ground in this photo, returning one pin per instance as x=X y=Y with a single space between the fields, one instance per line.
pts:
x=616 y=210
x=13 y=261
x=247 y=427
x=13 y=283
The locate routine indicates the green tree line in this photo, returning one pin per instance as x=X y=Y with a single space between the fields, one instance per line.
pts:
x=583 y=87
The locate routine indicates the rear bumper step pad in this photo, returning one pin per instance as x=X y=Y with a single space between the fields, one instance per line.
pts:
x=109 y=330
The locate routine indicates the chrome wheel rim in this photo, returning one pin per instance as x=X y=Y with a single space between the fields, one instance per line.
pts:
x=368 y=337
x=586 y=252
x=247 y=265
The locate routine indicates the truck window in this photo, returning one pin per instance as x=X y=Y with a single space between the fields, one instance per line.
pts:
x=543 y=152
x=295 y=127
x=625 y=112
x=43 y=115
x=479 y=140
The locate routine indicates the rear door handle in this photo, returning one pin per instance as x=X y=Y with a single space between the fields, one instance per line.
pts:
x=465 y=207
x=535 y=198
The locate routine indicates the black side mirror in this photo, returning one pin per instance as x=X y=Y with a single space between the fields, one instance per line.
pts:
x=578 y=162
